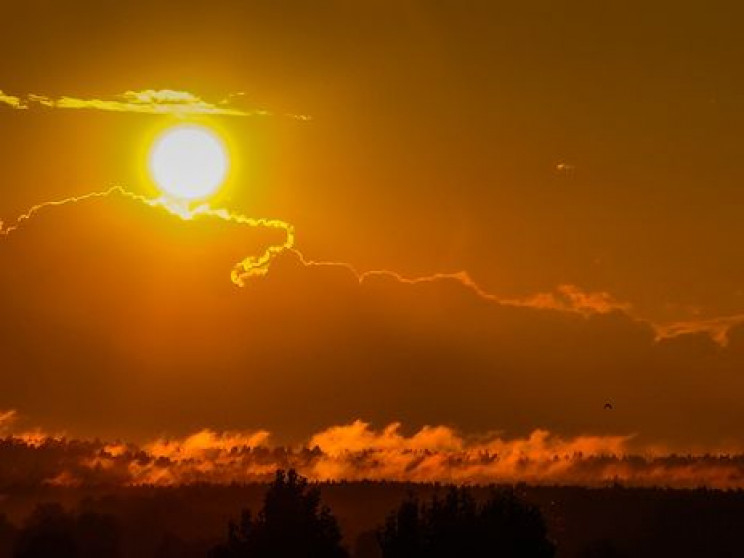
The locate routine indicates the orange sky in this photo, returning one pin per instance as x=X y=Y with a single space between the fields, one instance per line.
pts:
x=582 y=145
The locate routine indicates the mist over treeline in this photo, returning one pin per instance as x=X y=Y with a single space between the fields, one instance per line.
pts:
x=432 y=455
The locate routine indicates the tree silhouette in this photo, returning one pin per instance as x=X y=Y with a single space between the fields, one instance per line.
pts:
x=367 y=546
x=51 y=532
x=47 y=533
x=601 y=549
x=503 y=526
x=97 y=536
x=291 y=524
x=7 y=535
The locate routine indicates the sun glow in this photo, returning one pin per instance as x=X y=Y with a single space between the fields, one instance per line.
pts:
x=188 y=162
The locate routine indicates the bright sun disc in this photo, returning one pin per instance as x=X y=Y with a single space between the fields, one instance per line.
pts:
x=188 y=162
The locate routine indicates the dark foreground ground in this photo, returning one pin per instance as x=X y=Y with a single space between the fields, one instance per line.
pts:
x=187 y=521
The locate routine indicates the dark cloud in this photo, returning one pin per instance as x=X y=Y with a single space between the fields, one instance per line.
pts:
x=120 y=320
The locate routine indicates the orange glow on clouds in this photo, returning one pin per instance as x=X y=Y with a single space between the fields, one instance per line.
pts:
x=356 y=451
x=565 y=298
x=249 y=267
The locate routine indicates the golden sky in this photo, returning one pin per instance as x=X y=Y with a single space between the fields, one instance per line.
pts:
x=565 y=180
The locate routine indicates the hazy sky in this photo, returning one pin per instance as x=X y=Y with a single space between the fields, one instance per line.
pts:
x=574 y=143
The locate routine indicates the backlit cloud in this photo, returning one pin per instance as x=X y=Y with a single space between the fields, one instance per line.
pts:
x=571 y=298
x=11 y=101
x=717 y=328
x=148 y=101
x=429 y=349
x=251 y=266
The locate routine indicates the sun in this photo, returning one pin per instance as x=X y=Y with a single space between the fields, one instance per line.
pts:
x=188 y=162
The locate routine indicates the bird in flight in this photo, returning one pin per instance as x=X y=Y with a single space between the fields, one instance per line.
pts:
x=608 y=406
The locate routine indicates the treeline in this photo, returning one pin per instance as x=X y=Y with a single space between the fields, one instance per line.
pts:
x=368 y=520
x=293 y=523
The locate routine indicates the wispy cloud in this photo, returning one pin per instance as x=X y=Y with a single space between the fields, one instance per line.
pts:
x=148 y=101
x=7 y=418
x=717 y=328
x=571 y=298
x=565 y=168
x=11 y=101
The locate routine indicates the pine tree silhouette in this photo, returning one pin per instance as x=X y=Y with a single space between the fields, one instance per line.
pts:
x=503 y=526
x=291 y=524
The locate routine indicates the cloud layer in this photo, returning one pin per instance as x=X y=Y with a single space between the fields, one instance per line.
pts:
x=357 y=451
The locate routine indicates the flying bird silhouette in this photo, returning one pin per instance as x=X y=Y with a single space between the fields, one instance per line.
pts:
x=608 y=406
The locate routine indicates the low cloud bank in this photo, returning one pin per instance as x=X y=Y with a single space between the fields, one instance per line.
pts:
x=355 y=452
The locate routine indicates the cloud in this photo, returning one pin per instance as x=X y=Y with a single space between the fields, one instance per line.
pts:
x=148 y=101
x=571 y=298
x=11 y=101
x=7 y=419
x=358 y=452
x=565 y=168
x=717 y=328
x=440 y=454
x=359 y=437
x=205 y=442
x=246 y=268
x=130 y=300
